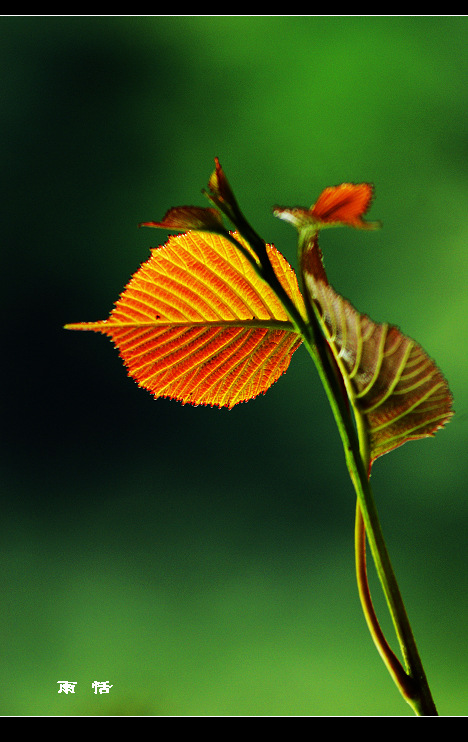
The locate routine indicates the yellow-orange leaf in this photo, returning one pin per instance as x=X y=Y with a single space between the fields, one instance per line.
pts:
x=196 y=323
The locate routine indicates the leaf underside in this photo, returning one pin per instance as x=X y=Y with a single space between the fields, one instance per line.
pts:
x=392 y=382
x=197 y=324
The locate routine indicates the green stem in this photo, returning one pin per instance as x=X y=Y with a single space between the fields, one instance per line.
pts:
x=412 y=683
x=414 y=687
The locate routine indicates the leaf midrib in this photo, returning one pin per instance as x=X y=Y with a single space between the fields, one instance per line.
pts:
x=283 y=325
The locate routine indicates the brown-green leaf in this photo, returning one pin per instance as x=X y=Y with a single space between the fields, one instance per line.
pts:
x=390 y=379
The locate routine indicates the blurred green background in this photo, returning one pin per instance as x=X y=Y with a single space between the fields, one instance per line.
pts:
x=201 y=560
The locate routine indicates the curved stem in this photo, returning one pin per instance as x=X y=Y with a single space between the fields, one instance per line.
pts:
x=419 y=695
x=416 y=690
x=391 y=661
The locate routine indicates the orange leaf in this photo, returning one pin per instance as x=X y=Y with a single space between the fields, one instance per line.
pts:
x=346 y=204
x=197 y=324
x=342 y=205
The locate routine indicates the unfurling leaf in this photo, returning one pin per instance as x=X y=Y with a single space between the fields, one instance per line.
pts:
x=197 y=324
x=190 y=217
x=221 y=193
x=342 y=205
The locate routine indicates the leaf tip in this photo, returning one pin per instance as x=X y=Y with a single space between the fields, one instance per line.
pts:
x=94 y=326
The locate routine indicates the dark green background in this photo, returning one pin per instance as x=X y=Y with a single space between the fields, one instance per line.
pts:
x=200 y=560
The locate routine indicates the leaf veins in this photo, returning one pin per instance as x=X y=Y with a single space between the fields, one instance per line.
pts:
x=196 y=323
x=390 y=379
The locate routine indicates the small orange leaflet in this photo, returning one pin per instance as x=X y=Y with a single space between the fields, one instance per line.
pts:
x=345 y=203
x=337 y=206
